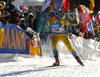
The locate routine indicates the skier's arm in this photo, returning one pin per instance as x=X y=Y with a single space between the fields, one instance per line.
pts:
x=48 y=23
x=66 y=23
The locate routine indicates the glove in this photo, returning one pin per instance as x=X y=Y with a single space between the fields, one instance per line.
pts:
x=70 y=35
x=50 y=35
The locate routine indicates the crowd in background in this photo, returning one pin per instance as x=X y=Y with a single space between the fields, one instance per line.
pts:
x=25 y=18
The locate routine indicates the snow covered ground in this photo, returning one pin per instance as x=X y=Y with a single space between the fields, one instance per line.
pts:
x=29 y=66
x=36 y=66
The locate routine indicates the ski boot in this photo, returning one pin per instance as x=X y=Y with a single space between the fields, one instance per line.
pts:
x=77 y=58
x=79 y=61
x=56 y=62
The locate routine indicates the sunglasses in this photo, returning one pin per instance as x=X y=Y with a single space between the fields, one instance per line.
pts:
x=51 y=17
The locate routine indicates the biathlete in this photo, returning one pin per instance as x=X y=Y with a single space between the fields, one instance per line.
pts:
x=56 y=26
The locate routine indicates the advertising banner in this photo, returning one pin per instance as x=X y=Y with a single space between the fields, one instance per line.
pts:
x=15 y=40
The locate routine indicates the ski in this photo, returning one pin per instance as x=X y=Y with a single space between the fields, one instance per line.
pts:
x=55 y=65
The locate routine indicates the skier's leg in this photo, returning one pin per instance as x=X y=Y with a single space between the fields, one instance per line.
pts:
x=55 y=40
x=66 y=41
x=42 y=43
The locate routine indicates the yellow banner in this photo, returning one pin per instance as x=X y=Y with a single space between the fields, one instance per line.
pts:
x=34 y=48
x=92 y=5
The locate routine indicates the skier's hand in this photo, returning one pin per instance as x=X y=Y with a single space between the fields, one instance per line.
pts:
x=70 y=35
x=50 y=35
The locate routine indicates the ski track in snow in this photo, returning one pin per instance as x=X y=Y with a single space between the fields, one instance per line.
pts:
x=37 y=67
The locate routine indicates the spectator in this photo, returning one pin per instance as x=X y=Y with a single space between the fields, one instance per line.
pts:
x=75 y=30
x=35 y=23
x=98 y=26
x=17 y=10
x=85 y=35
x=31 y=20
x=26 y=16
x=7 y=16
x=21 y=15
x=14 y=15
x=22 y=23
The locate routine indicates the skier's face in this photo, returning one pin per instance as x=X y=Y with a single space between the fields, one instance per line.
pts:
x=52 y=18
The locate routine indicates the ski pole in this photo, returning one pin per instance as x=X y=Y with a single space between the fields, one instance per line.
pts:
x=60 y=60
x=78 y=51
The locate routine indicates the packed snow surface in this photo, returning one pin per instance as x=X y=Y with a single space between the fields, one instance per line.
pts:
x=29 y=66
